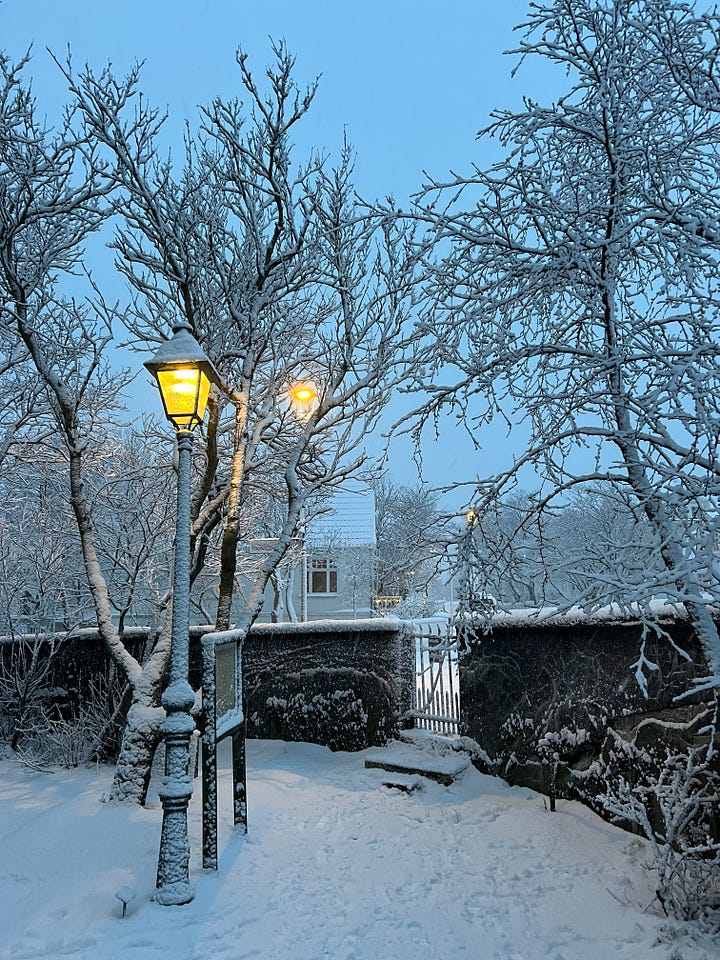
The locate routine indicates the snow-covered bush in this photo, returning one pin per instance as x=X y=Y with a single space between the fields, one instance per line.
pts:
x=72 y=735
x=555 y=707
x=338 y=720
x=43 y=723
x=563 y=733
x=342 y=708
x=662 y=780
x=26 y=690
x=672 y=796
x=62 y=742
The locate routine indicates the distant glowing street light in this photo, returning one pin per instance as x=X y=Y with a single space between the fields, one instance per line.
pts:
x=184 y=375
x=303 y=397
x=304 y=392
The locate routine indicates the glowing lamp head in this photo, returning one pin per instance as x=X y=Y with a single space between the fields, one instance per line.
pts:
x=184 y=375
x=303 y=394
x=303 y=397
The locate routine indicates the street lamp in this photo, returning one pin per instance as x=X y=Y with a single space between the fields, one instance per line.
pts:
x=303 y=397
x=184 y=375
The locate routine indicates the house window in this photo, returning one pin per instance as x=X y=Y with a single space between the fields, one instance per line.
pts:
x=322 y=575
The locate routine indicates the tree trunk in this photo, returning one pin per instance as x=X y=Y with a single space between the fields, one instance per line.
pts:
x=228 y=547
x=289 y=603
x=626 y=439
x=140 y=741
x=228 y=566
x=655 y=510
x=671 y=553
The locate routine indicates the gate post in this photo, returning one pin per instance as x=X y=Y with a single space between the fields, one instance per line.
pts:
x=209 y=758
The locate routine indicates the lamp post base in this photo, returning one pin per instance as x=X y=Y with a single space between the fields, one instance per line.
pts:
x=173 y=886
x=174 y=894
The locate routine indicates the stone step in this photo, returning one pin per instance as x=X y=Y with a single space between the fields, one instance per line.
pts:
x=411 y=760
x=404 y=782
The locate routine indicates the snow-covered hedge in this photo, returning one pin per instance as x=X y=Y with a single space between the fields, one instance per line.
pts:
x=555 y=706
x=531 y=689
x=345 y=684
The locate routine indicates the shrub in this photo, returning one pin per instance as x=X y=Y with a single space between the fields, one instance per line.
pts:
x=673 y=799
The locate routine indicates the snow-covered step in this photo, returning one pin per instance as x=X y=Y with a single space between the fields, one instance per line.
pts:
x=427 y=740
x=408 y=759
x=405 y=782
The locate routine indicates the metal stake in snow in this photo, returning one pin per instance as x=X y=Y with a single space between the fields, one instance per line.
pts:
x=184 y=375
x=125 y=895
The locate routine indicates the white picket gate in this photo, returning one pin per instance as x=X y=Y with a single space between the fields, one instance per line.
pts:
x=436 y=691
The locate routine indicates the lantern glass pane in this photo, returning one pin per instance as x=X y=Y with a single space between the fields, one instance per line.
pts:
x=181 y=390
x=203 y=394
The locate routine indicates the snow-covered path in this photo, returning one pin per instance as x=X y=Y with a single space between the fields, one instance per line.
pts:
x=335 y=866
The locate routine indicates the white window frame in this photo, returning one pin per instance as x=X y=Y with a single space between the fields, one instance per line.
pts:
x=326 y=567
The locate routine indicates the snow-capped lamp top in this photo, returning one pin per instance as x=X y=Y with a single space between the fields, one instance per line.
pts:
x=184 y=374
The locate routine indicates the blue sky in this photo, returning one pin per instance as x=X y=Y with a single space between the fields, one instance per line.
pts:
x=410 y=83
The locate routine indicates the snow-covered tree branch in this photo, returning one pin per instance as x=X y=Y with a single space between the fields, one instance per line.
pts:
x=572 y=286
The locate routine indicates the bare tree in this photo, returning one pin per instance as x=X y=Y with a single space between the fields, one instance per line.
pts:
x=26 y=665
x=281 y=274
x=594 y=548
x=573 y=285
x=505 y=548
x=409 y=539
x=283 y=277
x=53 y=200
x=601 y=549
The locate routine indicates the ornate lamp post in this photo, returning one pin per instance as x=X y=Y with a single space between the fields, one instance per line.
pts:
x=184 y=375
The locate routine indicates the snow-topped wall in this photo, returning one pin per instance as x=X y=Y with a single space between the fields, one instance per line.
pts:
x=556 y=704
x=345 y=684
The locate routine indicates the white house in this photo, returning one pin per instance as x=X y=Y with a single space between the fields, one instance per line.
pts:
x=330 y=574
x=340 y=550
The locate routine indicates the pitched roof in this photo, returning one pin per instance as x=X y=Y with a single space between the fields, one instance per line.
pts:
x=347 y=520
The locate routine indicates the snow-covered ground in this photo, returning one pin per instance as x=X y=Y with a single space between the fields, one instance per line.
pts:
x=335 y=866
